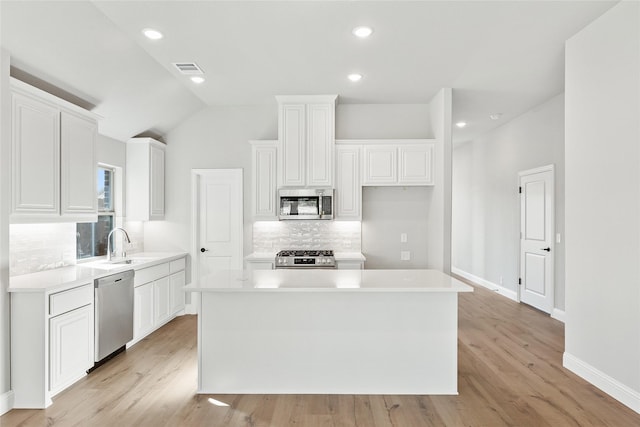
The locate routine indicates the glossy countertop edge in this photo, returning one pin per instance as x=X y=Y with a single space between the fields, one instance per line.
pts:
x=216 y=282
x=339 y=256
x=60 y=279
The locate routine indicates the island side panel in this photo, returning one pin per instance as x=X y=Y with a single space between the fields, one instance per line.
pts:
x=328 y=342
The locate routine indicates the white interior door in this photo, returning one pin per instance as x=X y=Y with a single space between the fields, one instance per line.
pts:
x=220 y=219
x=536 y=237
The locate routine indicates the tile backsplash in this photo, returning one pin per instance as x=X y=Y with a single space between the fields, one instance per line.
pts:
x=272 y=236
x=37 y=247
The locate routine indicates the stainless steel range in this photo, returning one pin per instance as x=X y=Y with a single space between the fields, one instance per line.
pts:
x=305 y=259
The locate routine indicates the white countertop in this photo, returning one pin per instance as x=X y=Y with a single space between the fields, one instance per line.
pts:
x=295 y=280
x=60 y=279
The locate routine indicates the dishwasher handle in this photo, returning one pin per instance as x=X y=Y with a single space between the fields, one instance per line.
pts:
x=114 y=279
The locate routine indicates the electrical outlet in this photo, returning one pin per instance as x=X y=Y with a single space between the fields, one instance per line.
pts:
x=558 y=238
x=405 y=255
x=500 y=280
x=346 y=244
x=403 y=237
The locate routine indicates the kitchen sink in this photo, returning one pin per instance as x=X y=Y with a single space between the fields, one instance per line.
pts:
x=113 y=264
x=129 y=261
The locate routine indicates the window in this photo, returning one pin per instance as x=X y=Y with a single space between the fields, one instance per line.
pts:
x=91 y=237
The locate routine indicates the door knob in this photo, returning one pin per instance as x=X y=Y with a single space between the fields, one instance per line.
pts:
x=204 y=250
x=544 y=249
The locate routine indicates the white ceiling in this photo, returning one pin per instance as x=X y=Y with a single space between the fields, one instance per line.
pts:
x=498 y=56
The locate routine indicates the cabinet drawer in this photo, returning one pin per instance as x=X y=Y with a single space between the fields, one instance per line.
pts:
x=62 y=302
x=177 y=265
x=150 y=274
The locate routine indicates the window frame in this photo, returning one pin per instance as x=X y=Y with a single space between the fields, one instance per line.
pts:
x=113 y=212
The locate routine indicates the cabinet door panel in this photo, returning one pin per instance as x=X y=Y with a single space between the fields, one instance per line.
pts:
x=71 y=346
x=177 y=282
x=78 y=165
x=264 y=181
x=157 y=183
x=320 y=143
x=162 y=297
x=348 y=188
x=415 y=166
x=36 y=157
x=380 y=165
x=143 y=303
x=293 y=139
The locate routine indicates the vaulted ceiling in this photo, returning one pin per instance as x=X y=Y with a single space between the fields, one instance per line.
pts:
x=500 y=57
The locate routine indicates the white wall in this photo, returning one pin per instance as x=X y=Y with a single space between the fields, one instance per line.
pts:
x=6 y=402
x=383 y=121
x=486 y=204
x=439 y=215
x=602 y=151
x=388 y=212
x=217 y=137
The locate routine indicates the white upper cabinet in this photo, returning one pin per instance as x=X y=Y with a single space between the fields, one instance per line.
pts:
x=380 y=164
x=306 y=129
x=348 y=192
x=78 y=165
x=320 y=144
x=415 y=164
x=264 y=186
x=53 y=158
x=145 y=179
x=400 y=162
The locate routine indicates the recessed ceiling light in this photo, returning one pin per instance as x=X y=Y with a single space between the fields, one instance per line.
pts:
x=354 y=77
x=461 y=124
x=197 y=79
x=362 y=32
x=152 y=34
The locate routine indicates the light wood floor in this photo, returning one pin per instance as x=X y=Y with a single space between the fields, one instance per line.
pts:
x=510 y=374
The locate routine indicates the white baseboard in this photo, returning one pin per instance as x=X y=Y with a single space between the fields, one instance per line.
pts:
x=558 y=314
x=6 y=402
x=512 y=295
x=604 y=382
x=190 y=309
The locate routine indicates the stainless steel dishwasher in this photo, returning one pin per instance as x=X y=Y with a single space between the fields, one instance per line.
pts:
x=113 y=313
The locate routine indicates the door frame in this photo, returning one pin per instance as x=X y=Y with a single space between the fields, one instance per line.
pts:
x=552 y=290
x=196 y=177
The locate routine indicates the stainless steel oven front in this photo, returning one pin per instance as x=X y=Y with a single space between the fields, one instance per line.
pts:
x=305 y=259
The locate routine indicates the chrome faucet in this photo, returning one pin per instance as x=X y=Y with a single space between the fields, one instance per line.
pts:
x=126 y=237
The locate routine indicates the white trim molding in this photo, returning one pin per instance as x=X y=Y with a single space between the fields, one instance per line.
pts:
x=604 y=382
x=511 y=294
x=558 y=314
x=6 y=402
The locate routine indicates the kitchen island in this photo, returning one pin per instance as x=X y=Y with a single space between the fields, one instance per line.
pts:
x=327 y=332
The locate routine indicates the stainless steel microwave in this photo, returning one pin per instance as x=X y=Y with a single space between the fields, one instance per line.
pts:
x=305 y=203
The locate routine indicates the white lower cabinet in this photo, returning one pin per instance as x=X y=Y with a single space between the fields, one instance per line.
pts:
x=350 y=265
x=162 y=303
x=143 y=319
x=71 y=347
x=260 y=265
x=158 y=296
x=52 y=341
x=176 y=283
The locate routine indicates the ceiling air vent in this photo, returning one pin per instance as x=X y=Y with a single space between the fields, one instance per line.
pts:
x=189 y=68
